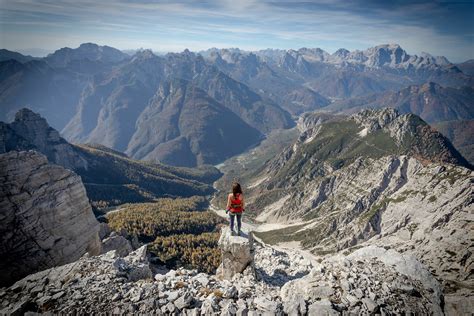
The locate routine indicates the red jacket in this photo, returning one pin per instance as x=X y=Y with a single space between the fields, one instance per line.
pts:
x=236 y=204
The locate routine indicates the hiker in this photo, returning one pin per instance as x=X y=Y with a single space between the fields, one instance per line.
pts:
x=235 y=207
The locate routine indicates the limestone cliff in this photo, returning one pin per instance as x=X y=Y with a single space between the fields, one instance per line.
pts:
x=45 y=220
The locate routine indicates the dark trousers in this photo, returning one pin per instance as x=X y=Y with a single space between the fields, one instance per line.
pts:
x=239 y=220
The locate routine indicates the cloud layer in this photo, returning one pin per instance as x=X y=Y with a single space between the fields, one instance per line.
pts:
x=441 y=28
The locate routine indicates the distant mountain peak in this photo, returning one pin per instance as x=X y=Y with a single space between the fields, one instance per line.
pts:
x=25 y=115
x=342 y=52
x=143 y=54
x=86 y=51
x=88 y=45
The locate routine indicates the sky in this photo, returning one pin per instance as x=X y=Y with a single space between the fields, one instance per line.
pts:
x=438 y=27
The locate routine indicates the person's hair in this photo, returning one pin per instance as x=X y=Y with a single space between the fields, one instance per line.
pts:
x=236 y=189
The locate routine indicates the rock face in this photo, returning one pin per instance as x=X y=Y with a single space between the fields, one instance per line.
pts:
x=237 y=254
x=46 y=218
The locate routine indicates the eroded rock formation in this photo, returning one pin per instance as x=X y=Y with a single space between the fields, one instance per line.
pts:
x=45 y=220
x=237 y=254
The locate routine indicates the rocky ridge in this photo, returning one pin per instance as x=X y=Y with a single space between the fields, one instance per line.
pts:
x=30 y=131
x=328 y=142
x=431 y=101
x=46 y=218
x=387 y=55
x=370 y=280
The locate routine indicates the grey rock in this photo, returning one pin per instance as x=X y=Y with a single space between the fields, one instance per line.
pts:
x=160 y=277
x=118 y=243
x=30 y=131
x=184 y=301
x=297 y=306
x=104 y=230
x=370 y=305
x=116 y=297
x=18 y=308
x=323 y=307
x=168 y=308
x=229 y=309
x=172 y=296
x=267 y=306
x=49 y=204
x=242 y=311
x=237 y=254
x=203 y=280
x=231 y=292
x=58 y=295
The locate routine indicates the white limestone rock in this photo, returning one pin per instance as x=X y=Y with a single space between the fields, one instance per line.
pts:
x=237 y=254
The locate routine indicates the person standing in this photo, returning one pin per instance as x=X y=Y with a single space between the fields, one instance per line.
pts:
x=235 y=207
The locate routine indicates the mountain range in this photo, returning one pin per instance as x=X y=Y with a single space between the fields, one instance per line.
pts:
x=431 y=101
x=98 y=94
x=354 y=202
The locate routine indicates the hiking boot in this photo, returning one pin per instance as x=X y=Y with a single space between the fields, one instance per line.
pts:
x=232 y=233
x=238 y=233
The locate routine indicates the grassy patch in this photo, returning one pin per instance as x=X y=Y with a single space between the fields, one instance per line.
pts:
x=451 y=175
x=367 y=216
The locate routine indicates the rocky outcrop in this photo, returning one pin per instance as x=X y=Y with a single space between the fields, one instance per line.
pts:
x=30 y=131
x=46 y=218
x=369 y=281
x=237 y=254
x=118 y=243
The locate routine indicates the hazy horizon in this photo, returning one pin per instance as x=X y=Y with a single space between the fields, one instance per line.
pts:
x=441 y=28
x=39 y=52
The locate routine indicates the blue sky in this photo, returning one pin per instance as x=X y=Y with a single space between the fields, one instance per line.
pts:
x=437 y=27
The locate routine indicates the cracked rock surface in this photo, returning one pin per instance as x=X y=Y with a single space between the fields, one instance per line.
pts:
x=45 y=218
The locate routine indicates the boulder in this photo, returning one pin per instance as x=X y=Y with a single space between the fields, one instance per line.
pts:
x=237 y=254
x=118 y=243
x=136 y=265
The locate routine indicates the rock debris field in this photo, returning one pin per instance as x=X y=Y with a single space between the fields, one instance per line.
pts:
x=371 y=280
